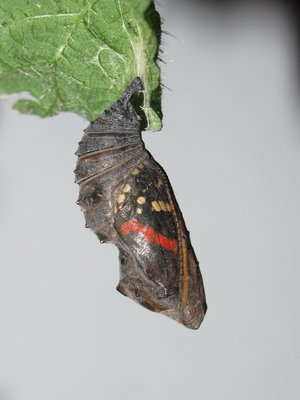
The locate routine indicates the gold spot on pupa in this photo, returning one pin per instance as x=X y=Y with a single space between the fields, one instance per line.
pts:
x=162 y=205
x=135 y=171
x=126 y=188
x=141 y=200
x=156 y=206
x=121 y=198
x=141 y=166
x=158 y=184
x=139 y=210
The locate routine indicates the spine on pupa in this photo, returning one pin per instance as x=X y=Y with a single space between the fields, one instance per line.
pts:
x=111 y=144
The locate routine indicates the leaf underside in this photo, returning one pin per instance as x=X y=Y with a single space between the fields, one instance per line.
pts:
x=79 y=55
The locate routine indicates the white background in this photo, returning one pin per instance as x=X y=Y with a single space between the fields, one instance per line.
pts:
x=231 y=146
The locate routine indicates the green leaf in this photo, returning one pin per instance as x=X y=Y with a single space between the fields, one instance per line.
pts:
x=79 y=55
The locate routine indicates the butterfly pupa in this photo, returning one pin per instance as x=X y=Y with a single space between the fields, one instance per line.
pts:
x=127 y=200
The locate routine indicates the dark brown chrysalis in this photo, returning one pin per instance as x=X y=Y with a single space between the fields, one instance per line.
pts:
x=127 y=200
